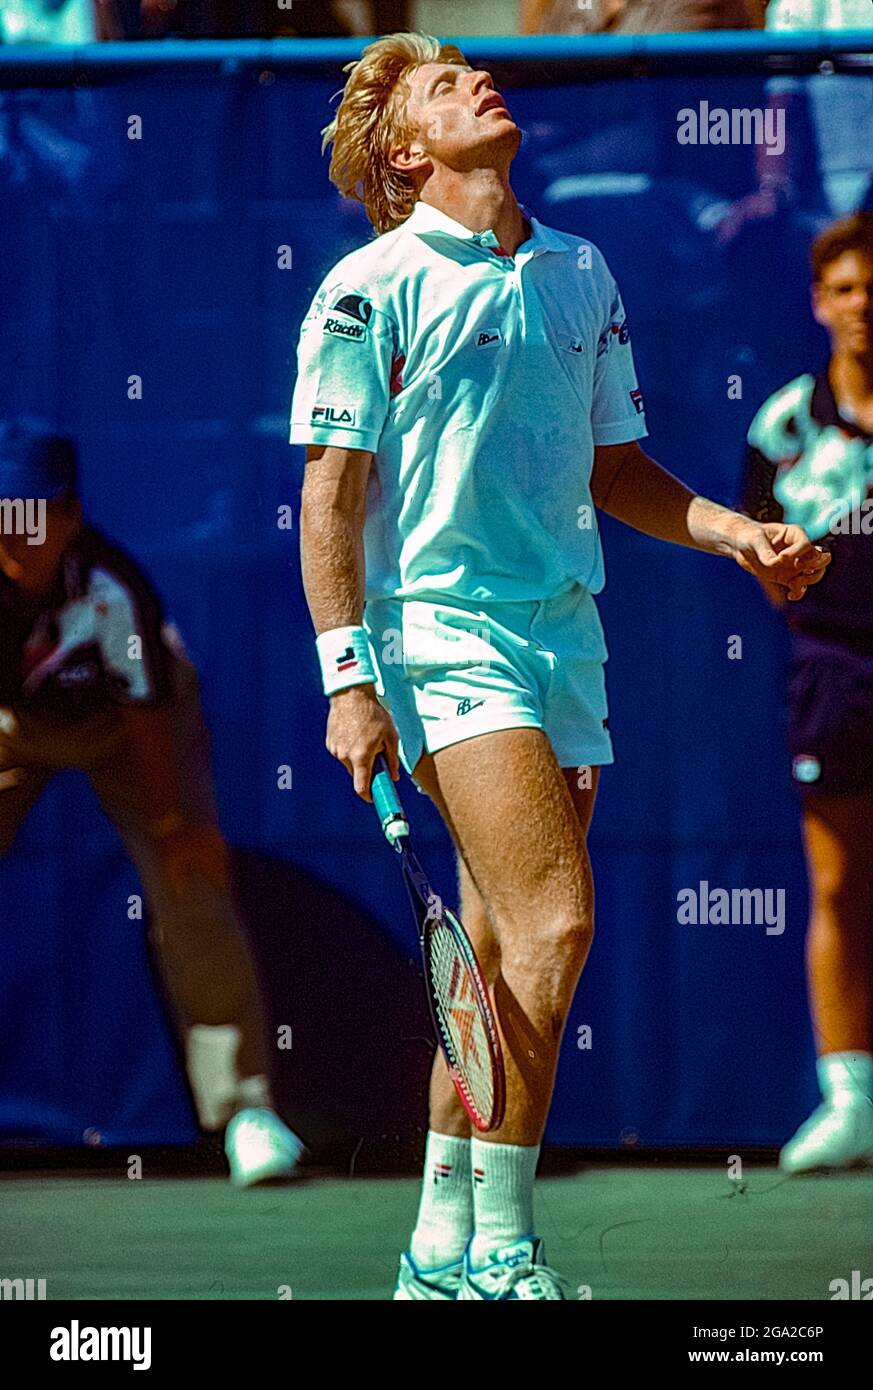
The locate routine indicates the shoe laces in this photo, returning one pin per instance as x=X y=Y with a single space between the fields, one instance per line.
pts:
x=536 y=1281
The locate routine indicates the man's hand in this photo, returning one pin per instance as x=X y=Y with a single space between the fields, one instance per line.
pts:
x=11 y=776
x=194 y=849
x=358 y=729
x=781 y=557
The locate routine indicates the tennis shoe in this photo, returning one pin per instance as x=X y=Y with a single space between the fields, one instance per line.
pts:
x=421 y=1285
x=834 y=1136
x=516 y=1271
x=260 y=1148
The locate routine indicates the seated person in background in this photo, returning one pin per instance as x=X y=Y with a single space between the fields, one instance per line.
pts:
x=248 y=18
x=810 y=461
x=91 y=678
x=638 y=16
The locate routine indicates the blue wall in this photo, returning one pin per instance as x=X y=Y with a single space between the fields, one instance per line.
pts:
x=158 y=257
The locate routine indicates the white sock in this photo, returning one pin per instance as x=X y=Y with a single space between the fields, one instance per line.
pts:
x=846 y=1078
x=503 y=1181
x=211 y=1064
x=253 y=1093
x=445 y=1214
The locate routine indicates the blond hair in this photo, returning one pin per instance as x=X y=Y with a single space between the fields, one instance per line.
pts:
x=371 y=117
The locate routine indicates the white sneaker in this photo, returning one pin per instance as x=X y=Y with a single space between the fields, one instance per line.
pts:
x=423 y=1285
x=516 y=1271
x=259 y=1147
x=834 y=1136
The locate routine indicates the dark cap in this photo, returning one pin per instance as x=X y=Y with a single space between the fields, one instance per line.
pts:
x=36 y=461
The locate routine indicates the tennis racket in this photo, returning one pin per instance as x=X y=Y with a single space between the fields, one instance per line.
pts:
x=457 y=994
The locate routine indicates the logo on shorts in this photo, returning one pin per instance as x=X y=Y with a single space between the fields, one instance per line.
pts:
x=637 y=398
x=464 y=706
x=805 y=768
x=490 y=337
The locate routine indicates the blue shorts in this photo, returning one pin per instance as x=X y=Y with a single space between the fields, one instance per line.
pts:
x=830 y=717
x=449 y=671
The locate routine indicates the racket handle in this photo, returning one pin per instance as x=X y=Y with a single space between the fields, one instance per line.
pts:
x=387 y=803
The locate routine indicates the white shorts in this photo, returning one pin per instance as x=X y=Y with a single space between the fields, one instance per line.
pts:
x=449 y=671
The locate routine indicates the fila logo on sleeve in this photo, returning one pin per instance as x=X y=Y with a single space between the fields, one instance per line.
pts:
x=334 y=415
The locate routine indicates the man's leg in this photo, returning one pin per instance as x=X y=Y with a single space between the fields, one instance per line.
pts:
x=839 y=954
x=21 y=781
x=525 y=838
x=199 y=942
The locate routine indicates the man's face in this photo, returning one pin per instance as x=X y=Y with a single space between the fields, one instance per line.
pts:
x=843 y=302
x=460 y=118
x=33 y=568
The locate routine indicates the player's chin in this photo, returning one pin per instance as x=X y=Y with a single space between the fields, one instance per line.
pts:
x=503 y=133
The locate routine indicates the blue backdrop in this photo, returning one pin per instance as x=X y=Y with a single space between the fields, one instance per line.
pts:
x=158 y=257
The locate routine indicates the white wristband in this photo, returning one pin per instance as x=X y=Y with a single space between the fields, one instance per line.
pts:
x=345 y=658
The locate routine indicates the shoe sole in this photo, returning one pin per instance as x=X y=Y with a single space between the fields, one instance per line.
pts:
x=267 y=1176
x=829 y=1169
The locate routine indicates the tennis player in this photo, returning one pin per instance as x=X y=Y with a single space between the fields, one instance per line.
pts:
x=467 y=396
x=810 y=460
x=91 y=677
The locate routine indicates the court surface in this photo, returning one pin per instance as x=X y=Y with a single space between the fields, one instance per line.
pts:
x=629 y=1232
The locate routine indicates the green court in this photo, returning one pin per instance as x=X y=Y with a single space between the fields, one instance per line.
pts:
x=625 y=1231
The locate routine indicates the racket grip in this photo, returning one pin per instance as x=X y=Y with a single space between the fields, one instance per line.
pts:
x=387 y=803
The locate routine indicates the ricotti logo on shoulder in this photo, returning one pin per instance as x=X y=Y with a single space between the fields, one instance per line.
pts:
x=76 y=1343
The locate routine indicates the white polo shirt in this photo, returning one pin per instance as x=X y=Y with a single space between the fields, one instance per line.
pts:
x=481 y=383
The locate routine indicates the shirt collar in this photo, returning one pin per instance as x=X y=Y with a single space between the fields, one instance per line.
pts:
x=426 y=219
x=824 y=409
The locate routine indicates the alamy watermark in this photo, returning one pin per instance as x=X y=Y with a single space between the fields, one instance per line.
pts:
x=21 y=516
x=734 y=907
x=24 y=1289
x=738 y=125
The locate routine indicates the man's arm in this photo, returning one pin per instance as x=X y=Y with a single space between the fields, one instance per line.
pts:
x=332 y=512
x=627 y=484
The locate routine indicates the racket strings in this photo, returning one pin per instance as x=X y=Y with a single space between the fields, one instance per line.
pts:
x=460 y=1018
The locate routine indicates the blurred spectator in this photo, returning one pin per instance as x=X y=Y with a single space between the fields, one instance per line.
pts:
x=93 y=676
x=638 y=16
x=47 y=21
x=809 y=462
x=819 y=14
x=83 y=21
x=265 y=19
